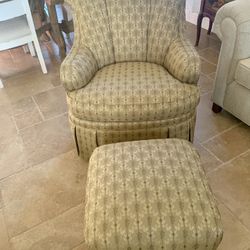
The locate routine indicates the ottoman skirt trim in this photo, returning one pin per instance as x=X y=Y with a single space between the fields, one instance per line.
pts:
x=89 y=135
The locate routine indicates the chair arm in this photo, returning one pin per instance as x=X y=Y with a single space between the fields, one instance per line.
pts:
x=182 y=61
x=78 y=68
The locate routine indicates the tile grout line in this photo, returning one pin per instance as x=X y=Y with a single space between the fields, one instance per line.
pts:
x=14 y=121
x=230 y=161
x=78 y=245
x=37 y=106
x=209 y=47
x=234 y=215
x=208 y=150
x=207 y=61
x=224 y=131
x=206 y=93
x=6 y=227
x=211 y=78
x=32 y=166
x=47 y=221
x=37 y=123
x=4 y=218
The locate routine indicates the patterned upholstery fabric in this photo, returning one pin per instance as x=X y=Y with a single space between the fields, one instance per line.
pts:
x=130 y=66
x=133 y=92
x=82 y=66
x=149 y=195
x=181 y=55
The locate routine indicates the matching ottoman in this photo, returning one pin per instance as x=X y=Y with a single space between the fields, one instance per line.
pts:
x=149 y=194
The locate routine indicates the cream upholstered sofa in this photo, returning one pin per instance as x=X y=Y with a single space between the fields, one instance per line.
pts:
x=232 y=82
x=131 y=74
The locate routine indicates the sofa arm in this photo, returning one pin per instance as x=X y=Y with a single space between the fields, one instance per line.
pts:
x=78 y=68
x=238 y=12
x=182 y=61
x=232 y=25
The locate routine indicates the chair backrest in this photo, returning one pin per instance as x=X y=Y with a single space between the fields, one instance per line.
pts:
x=128 y=30
x=10 y=9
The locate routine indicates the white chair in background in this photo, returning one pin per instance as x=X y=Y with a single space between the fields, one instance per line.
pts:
x=17 y=29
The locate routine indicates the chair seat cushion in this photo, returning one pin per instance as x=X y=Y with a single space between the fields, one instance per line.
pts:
x=242 y=75
x=133 y=91
x=149 y=195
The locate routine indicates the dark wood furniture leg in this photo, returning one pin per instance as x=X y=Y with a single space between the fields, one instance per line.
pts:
x=199 y=23
x=210 y=27
x=56 y=32
x=216 y=108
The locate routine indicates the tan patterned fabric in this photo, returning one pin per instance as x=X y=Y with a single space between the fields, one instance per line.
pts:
x=118 y=31
x=78 y=69
x=181 y=55
x=130 y=65
x=149 y=195
x=133 y=92
x=89 y=135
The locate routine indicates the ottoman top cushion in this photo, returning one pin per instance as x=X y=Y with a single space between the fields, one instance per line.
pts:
x=149 y=195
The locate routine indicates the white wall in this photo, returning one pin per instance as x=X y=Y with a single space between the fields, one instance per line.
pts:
x=192 y=11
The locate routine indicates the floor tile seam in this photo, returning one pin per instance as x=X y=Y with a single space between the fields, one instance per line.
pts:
x=46 y=221
x=209 y=151
x=6 y=227
x=24 y=112
x=29 y=167
x=15 y=124
x=235 y=216
x=83 y=242
x=211 y=78
x=222 y=132
x=28 y=127
x=34 y=124
x=229 y=161
x=37 y=123
x=206 y=60
x=37 y=106
x=210 y=47
x=56 y=116
x=206 y=93
x=20 y=74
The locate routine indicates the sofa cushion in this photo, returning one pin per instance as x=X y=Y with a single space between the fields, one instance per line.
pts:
x=242 y=75
x=133 y=91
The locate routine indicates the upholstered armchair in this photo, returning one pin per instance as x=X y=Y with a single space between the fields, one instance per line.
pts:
x=232 y=81
x=131 y=74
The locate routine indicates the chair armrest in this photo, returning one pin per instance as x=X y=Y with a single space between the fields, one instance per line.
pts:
x=78 y=68
x=182 y=61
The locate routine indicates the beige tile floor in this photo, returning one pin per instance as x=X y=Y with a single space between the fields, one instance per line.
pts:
x=42 y=180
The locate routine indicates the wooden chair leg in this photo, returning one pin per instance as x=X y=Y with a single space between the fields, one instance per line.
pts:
x=199 y=23
x=210 y=27
x=56 y=32
x=65 y=18
x=216 y=108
